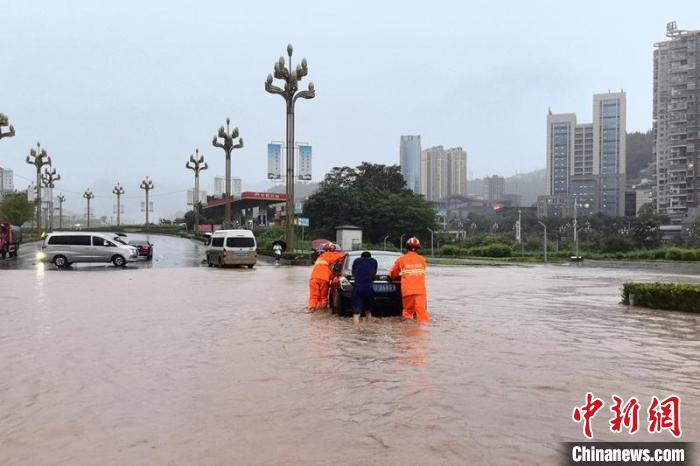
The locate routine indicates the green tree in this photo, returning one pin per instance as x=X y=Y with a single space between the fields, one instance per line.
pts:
x=15 y=209
x=373 y=197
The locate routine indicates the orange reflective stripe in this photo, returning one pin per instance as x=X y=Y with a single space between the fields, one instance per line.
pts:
x=412 y=272
x=321 y=262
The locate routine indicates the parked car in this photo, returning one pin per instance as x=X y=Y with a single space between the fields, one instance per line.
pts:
x=65 y=248
x=387 y=294
x=145 y=248
x=232 y=247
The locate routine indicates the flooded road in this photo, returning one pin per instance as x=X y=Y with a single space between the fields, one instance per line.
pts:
x=181 y=366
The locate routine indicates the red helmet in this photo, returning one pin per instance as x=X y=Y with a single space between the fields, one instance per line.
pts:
x=413 y=243
x=329 y=247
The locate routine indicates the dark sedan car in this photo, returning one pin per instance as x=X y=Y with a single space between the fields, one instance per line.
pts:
x=145 y=248
x=387 y=294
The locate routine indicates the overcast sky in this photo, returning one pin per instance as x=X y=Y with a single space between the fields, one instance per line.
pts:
x=119 y=90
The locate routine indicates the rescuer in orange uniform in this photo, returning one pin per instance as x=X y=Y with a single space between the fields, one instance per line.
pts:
x=411 y=268
x=321 y=276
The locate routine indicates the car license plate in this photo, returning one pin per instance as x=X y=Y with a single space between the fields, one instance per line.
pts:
x=241 y=253
x=384 y=287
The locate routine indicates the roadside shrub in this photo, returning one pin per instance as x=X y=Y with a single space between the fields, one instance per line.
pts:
x=689 y=255
x=674 y=254
x=671 y=296
x=450 y=250
x=658 y=254
x=620 y=255
x=491 y=250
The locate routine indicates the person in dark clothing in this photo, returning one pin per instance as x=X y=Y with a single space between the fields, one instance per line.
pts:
x=364 y=269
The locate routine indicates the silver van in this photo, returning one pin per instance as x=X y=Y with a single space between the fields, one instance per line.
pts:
x=65 y=248
x=232 y=247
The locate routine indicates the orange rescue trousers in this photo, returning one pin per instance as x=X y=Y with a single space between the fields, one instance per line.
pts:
x=415 y=304
x=318 y=293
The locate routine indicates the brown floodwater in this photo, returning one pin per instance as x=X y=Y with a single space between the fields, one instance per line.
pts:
x=182 y=366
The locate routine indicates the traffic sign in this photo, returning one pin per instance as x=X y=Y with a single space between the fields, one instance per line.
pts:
x=303 y=221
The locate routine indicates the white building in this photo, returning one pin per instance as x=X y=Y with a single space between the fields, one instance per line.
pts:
x=190 y=196
x=7 y=184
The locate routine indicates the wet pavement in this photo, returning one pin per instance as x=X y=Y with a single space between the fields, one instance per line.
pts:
x=196 y=365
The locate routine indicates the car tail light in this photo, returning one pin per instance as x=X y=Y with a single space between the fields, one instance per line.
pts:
x=225 y=253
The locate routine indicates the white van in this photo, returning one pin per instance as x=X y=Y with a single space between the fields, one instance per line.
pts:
x=232 y=247
x=63 y=248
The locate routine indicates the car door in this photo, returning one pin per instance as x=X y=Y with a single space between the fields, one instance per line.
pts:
x=100 y=250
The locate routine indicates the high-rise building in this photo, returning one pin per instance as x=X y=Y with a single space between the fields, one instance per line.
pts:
x=586 y=162
x=433 y=169
x=443 y=172
x=609 y=147
x=190 y=198
x=236 y=187
x=7 y=184
x=495 y=188
x=219 y=186
x=456 y=171
x=676 y=119
x=410 y=161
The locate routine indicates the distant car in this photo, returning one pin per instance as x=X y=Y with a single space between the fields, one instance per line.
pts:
x=387 y=294
x=145 y=248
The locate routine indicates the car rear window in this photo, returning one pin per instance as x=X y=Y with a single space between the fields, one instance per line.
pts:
x=73 y=240
x=217 y=242
x=241 y=242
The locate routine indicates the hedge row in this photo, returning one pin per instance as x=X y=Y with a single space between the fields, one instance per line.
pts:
x=489 y=250
x=672 y=296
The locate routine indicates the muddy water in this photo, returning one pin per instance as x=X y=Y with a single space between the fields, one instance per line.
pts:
x=218 y=367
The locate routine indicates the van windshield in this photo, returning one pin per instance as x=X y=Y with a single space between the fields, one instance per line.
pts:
x=240 y=242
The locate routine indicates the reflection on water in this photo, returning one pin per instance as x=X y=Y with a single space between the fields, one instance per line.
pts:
x=209 y=366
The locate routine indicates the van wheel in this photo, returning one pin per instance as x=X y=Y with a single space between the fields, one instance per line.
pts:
x=118 y=261
x=60 y=262
x=250 y=266
x=209 y=262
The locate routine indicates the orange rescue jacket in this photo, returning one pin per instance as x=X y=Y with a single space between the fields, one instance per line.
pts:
x=411 y=268
x=322 y=266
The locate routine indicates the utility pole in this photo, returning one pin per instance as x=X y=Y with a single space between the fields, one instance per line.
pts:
x=432 y=243
x=545 y=239
x=49 y=179
x=5 y=122
x=231 y=140
x=61 y=199
x=88 y=195
x=291 y=78
x=147 y=185
x=118 y=191
x=197 y=164
x=519 y=233
x=38 y=158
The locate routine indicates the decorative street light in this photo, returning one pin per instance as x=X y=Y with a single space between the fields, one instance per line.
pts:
x=575 y=226
x=147 y=185
x=197 y=164
x=385 y=238
x=291 y=79
x=118 y=191
x=88 y=195
x=38 y=157
x=61 y=199
x=231 y=141
x=432 y=242
x=5 y=122
x=49 y=179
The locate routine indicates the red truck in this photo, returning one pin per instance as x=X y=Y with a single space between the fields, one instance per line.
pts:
x=10 y=237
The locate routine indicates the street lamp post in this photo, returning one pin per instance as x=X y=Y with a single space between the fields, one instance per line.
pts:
x=291 y=78
x=5 y=122
x=585 y=206
x=385 y=238
x=231 y=141
x=88 y=195
x=49 y=179
x=520 y=233
x=545 y=239
x=61 y=199
x=197 y=164
x=432 y=242
x=118 y=191
x=38 y=157
x=147 y=185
